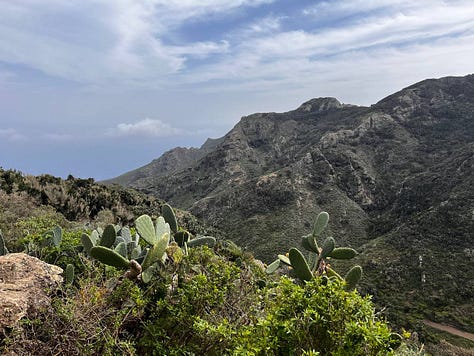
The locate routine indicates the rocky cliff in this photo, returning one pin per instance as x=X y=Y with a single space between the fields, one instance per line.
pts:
x=397 y=179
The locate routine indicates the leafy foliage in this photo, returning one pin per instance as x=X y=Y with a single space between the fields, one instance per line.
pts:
x=318 y=317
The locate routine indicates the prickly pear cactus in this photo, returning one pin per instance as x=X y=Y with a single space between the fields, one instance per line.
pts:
x=108 y=236
x=209 y=241
x=352 y=277
x=170 y=217
x=57 y=236
x=109 y=257
x=299 y=264
x=317 y=263
x=69 y=274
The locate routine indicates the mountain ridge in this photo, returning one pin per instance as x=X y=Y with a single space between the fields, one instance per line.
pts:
x=395 y=177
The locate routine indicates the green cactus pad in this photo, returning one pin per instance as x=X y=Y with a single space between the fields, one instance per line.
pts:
x=136 y=252
x=109 y=257
x=121 y=248
x=94 y=237
x=145 y=228
x=57 y=236
x=284 y=259
x=108 y=236
x=352 y=277
x=125 y=233
x=148 y=273
x=320 y=223
x=309 y=243
x=299 y=264
x=272 y=267
x=157 y=252
x=181 y=237
x=162 y=227
x=332 y=273
x=170 y=217
x=313 y=259
x=343 y=253
x=328 y=247
x=209 y=241
x=69 y=274
x=87 y=243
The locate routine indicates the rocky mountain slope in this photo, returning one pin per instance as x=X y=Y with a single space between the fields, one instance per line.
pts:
x=397 y=179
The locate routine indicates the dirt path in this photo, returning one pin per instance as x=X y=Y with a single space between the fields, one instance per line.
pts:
x=449 y=329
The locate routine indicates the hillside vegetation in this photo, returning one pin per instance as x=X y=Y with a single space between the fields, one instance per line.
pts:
x=397 y=179
x=158 y=289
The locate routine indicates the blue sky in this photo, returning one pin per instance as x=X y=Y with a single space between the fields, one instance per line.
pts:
x=96 y=88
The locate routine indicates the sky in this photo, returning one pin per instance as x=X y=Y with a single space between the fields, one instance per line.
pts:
x=95 y=88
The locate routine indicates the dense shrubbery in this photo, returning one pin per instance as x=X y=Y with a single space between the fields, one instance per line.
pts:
x=209 y=305
x=320 y=318
x=210 y=301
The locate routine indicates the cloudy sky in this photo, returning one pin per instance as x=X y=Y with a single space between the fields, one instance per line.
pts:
x=95 y=88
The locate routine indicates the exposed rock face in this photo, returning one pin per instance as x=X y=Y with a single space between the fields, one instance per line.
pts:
x=25 y=282
x=397 y=179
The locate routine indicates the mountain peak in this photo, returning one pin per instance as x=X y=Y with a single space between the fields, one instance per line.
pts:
x=320 y=105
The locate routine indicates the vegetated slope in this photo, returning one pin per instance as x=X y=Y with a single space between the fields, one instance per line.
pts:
x=77 y=200
x=397 y=179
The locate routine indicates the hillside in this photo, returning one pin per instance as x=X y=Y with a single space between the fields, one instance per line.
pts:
x=75 y=200
x=396 y=179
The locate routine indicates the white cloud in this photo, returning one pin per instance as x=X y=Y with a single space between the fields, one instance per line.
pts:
x=280 y=59
x=145 y=128
x=357 y=77
x=107 y=43
x=200 y=49
x=129 y=43
x=12 y=135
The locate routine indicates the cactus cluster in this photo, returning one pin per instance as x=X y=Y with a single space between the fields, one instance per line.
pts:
x=114 y=246
x=317 y=263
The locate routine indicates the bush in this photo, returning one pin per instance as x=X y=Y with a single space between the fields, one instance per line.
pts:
x=317 y=317
x=212 y=300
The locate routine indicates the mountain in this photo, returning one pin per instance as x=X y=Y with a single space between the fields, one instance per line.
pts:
x=397 y=179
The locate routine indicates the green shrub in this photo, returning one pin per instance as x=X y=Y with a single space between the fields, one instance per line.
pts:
x=317 y=317
x=204 y=309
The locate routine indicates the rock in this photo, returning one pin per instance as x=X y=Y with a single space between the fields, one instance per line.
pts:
x=26 y=284
x=320 y=105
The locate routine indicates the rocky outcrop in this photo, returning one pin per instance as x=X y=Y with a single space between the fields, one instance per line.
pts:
x=26 y=284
